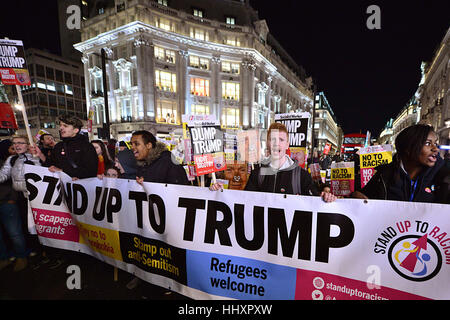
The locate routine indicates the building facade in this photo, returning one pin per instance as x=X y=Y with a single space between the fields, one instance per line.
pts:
x=169 y=58
x=434 y=91
x=57 y=87
x=326 y=127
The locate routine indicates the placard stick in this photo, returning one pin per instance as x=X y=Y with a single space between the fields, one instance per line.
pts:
x=202 y=179
x=213 y=177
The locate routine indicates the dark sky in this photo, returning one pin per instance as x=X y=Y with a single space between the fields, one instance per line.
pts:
x=367 y=75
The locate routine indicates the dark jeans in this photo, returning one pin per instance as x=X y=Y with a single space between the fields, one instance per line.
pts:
x=12 y=223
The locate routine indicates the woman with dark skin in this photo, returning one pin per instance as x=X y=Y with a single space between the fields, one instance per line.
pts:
x=417 y=172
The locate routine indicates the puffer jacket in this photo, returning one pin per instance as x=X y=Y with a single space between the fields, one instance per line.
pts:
x=159 y=167
x=16 y=172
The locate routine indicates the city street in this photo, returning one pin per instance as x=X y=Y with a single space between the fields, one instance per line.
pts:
x=97 y=283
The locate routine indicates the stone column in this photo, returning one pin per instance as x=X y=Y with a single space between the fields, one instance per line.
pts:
x=215 y=88
x=145 y=77
x=183 y=84
x=248 y=91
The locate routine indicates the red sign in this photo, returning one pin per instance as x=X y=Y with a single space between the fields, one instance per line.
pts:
x=13 y=66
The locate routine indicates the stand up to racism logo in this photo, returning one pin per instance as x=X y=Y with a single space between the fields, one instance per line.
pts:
x=415 y=250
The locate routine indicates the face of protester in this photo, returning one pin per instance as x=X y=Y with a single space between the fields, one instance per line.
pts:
x=428 y=154
x=278 y=144
x=20 y=145
x=67 y=130
x=11 y=150
x=111 y=173
x=48 y=141
x=139 y=147
x=98 y=149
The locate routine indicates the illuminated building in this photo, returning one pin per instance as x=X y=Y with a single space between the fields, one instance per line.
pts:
x=169 y=58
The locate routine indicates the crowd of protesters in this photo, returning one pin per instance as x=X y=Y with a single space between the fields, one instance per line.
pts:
x=416 y=166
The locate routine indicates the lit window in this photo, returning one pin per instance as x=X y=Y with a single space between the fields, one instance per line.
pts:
x=230 y=90
x=230 y=118
x=198 y=62
x=199 y=34
x=199 y=109
x=200 y=87
x=164 y=24
x=165 y=54
x=230 y=67
x=68 y=89
x=163 y=2
x=233 y=41
x=166 y=111
x=198 y=13
x=51 y=86
x=230 y=20
x=41 y=85
x=166 y=81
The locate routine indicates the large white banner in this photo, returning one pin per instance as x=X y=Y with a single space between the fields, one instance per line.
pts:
x=248 y=245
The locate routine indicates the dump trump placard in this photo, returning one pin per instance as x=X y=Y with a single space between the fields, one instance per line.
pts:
x=13 y=66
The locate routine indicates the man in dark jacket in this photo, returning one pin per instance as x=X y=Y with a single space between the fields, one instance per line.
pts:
x=155 y=161
x=73 y=155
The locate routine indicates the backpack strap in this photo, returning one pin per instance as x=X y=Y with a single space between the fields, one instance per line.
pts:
x=13 y=160
x=296 y=176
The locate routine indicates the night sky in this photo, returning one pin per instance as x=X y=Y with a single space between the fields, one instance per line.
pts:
x=367 y=75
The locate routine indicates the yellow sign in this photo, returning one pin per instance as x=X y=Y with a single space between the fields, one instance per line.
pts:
x=102 y=240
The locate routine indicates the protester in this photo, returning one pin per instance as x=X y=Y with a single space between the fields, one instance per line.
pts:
x=46 y=144
x=112 y=172
x=13 y=169
x=417 y=173
x=279 y=173
x=112 y=148
x=10 y=219
x=104 y=159
x=154 y=160
x=74 y=155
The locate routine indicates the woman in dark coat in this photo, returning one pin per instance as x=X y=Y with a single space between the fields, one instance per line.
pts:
x=417 y=172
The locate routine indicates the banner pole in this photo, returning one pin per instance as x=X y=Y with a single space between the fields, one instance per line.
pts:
x=24 y=114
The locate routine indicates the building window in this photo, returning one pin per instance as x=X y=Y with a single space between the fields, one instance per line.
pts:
x=233 y=41
x=166 y=81
x=200 y=87
x=198 y=62
x=164 y=24
x=230 y=118
x=199 y=34
x=230 y=20
x=165 y=54
x=125 y=108
x=230 y=90
x=166 y=111
x=199 y=109
x=198 y=13
x=163 y=2
x=230 y=67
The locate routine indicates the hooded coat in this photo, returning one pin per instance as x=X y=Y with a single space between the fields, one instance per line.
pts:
x=266 y=179
x=391 y=182
x=128 y=163
x=159 y=167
